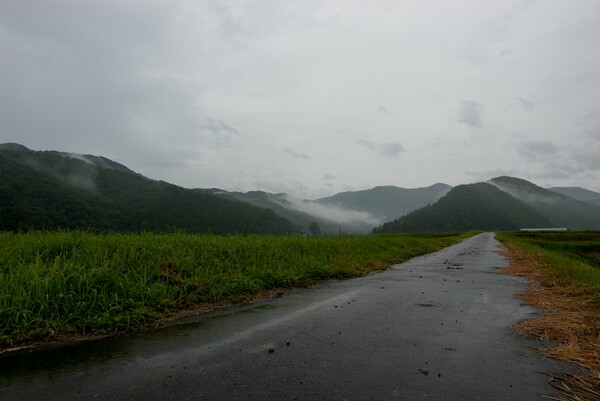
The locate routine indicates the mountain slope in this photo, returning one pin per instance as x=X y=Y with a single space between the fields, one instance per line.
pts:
x=581 y=194
x=331 y=220
x=148 y=204
x=560 y=210
x=478 y=206
x=276 y=202
x=387 y=202
x=29 y=200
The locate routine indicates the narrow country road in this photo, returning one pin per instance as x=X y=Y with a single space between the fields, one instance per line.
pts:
x=434 y=328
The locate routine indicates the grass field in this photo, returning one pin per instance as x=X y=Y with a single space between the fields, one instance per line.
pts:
x=565 y=281
x=58 y=283
x=571 y=256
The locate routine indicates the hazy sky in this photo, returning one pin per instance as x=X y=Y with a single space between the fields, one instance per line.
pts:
x=309 y=97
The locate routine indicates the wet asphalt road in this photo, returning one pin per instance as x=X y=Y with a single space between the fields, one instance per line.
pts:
x=434 y=328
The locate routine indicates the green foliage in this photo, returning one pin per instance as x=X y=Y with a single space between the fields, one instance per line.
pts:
x=163 y=207
x=572 y=256
x=52 y=283
x=468 y=207
x=47 y=190
x=31 y=200
x=314 y=228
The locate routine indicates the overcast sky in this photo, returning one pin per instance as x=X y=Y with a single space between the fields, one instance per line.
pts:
x=309 y=97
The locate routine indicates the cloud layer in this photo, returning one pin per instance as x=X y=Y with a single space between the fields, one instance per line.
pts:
x=310 y=98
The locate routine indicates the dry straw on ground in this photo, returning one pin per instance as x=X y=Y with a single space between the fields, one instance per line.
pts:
x=571 y=321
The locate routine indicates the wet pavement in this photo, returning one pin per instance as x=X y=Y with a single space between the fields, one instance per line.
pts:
x=434 y=328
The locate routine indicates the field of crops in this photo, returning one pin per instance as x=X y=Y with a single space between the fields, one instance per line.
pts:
x=57 y=283
x=571 y=255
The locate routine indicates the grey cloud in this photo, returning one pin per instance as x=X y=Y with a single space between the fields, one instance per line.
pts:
x=470 y=113
x=219 y=127
x=390 y=149
x=533 y=149
x=589 y=159
x=219 y=131
x=528 y=105
x=328 y=177
x=489 y=174
x=381 y=109
x=554 y=175
x=97 y=84
x=554 y=169
x=488 y=39
x=296 y=155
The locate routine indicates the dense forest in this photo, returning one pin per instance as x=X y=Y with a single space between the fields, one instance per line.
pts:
x=50 y=190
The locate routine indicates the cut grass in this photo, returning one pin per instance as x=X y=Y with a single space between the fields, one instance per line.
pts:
x=54 y=284
x=568 y=289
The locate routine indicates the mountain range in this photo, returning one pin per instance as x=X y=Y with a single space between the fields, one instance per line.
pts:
x=51 y=189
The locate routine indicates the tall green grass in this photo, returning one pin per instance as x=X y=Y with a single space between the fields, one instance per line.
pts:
x=56 y=283
x=565 y=253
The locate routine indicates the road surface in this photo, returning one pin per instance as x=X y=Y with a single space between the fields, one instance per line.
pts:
x=434 y=328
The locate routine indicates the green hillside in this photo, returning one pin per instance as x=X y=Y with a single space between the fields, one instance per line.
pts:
x=280 y=205
x=28 y=199
x=160 y=206
x=55 y=189
x=478 y=206
x=560 y=210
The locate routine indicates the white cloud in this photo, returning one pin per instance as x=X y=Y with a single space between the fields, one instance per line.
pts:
x=335 y=214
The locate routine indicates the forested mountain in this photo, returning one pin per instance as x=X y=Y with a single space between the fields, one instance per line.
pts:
x=559 y=209
x=387 y=202
x=348 y=212
x=478 y=206
x=578 y=193
x=55 y=189
x=29 y=199
x=50 y=189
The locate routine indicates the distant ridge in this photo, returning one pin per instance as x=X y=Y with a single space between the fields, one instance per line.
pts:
x=561 y=210
x=387 y=202
x=582 y=194
x=478 y=206
x=53 y=189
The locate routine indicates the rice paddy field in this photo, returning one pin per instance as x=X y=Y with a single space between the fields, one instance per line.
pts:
x=56 y=284
x=572 y=256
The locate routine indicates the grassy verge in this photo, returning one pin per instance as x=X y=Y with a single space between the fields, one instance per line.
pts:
x=565 y=281
x=54 y=284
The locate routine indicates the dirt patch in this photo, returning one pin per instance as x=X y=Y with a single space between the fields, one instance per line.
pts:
x=572 y=322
